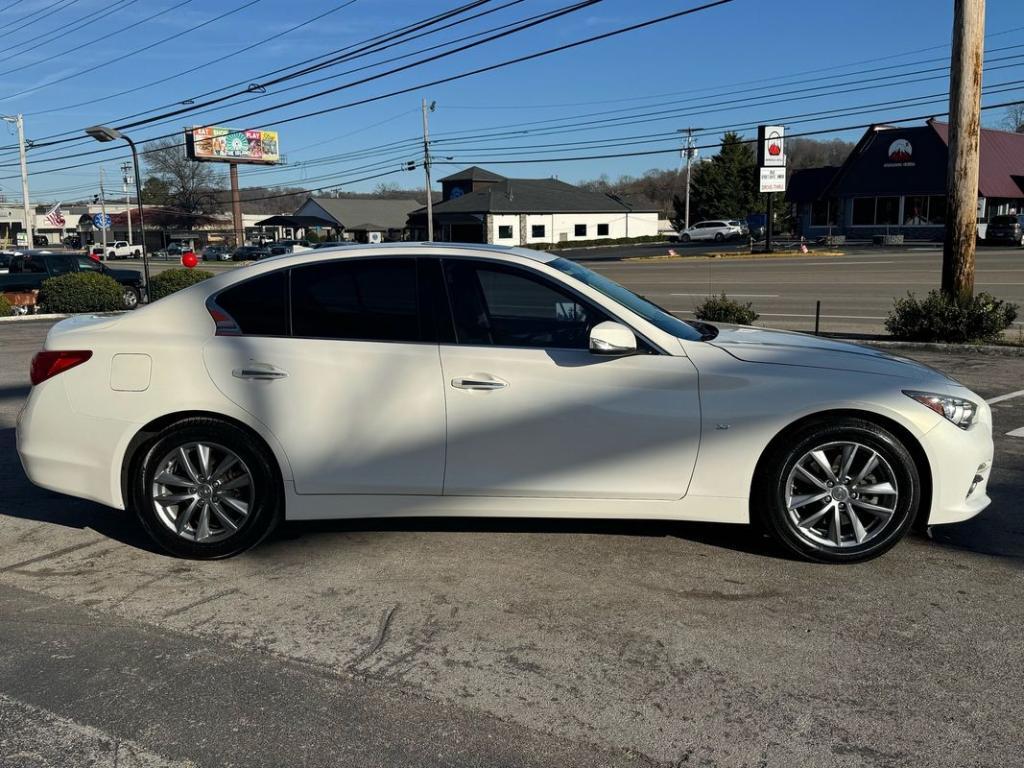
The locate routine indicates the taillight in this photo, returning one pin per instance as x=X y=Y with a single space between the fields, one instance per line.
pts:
x=47 y=364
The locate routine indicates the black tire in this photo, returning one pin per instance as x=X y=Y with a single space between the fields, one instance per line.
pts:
x=719 y=237
x=130 y=298
x=266 y=503
x=684 y=238
x=136 y=254
x=771 y=491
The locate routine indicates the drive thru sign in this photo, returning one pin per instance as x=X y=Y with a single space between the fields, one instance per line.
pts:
x=773 y=179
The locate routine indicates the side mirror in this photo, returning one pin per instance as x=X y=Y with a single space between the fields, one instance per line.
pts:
x=610 y=338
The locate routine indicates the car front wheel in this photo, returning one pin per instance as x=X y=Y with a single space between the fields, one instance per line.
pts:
x=130 y=298
x=838 y=492
x=205 y=489
x=684 y=238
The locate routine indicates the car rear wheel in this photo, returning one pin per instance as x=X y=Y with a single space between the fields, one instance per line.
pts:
x=206 y=489
x=838 y=492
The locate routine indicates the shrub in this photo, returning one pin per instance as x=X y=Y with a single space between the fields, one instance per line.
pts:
x=171 y=280
x=722 y=309
x=938 y=317
x=81 y=292
x=5 y=306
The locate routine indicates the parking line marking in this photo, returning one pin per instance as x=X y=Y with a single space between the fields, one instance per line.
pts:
x=1007 y=396
x=1016 y=432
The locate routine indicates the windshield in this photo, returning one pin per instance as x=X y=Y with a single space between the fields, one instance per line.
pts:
x=646 y=309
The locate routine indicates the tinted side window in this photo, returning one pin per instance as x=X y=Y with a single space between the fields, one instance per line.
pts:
x=61 y=265
x=510 y=307
x=259 y=306
x=364 y=299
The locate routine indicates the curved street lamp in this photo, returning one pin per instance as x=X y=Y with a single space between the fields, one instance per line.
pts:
x=103 y=133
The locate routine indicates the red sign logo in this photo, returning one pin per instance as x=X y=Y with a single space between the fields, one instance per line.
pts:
x=900 y=151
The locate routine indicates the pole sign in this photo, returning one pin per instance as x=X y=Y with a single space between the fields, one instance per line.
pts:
x=101 y=221
x=773 y=179
x=771 y=146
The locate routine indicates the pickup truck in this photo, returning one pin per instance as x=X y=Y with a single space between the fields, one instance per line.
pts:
x=26 y=270
x=119 y=249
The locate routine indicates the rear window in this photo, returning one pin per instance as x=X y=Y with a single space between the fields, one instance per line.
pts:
x=1004 y=221
x=259 y=306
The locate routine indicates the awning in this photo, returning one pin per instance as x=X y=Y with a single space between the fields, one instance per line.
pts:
x=298 y=222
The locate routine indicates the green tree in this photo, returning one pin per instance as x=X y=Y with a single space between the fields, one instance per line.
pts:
x=724 y=186
x=192 y=188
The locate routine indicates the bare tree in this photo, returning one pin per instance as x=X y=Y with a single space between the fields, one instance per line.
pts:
x=1014 y=120
x=192 y=189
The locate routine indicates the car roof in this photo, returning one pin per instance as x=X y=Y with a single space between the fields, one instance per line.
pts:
x=424 y=248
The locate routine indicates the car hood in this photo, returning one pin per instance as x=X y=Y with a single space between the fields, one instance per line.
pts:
x=761 y=345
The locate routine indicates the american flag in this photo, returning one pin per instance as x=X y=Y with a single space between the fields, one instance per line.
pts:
x=55 y=217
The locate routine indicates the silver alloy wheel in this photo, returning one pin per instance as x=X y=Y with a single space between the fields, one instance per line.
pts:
x=130 y=298
x=841 y=494
x=203 y=492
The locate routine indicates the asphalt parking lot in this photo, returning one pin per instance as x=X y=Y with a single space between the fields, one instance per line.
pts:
x=508 y=643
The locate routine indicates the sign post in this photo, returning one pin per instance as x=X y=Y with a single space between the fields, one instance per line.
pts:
x=771 y=163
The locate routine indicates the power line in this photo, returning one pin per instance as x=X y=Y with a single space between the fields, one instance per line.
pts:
x=73 y=26
x=91 y=69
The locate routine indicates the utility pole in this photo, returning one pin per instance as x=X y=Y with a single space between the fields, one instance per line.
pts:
x=19 y=120
x=236 y=206
x=690 y=153
x=426 y=167
x=103 y=208
x=964 y=141
x=125 y=171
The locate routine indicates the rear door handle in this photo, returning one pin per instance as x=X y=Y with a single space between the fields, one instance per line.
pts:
x=480 y=381
x=259 y=372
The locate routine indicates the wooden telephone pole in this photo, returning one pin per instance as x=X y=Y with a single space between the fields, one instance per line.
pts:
x=964 y=141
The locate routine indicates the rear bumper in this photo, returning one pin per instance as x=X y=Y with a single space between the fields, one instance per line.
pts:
x=68 y=452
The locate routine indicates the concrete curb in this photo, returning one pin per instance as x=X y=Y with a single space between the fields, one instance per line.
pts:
x=54 y=316
x=731 y=255
x=1000 y=350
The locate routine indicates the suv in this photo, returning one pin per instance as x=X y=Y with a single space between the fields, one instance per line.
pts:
x=216 y=253
x=718 y=229
x=1007 y=228
x=250 y=253
x=26 y=271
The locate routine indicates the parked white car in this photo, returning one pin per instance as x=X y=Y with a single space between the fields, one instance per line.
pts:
x=719 y=229
x=410 y=380
x=121 y=249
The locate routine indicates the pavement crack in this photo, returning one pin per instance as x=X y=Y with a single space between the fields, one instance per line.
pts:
x=197 y=603
x=49 y=555
x=378 y=641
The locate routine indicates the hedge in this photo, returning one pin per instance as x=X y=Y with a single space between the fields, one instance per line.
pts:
x=5 y=306
x=81 y=292
x=171 y=280
x=938 y=317
x=722 y=309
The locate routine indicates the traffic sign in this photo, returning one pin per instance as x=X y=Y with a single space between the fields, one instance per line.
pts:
x=101 y=221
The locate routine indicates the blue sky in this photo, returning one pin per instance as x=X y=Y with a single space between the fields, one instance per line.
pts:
x=752 y=53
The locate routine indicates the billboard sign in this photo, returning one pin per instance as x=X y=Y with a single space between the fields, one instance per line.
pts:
x=771 y=148
x=227 y=145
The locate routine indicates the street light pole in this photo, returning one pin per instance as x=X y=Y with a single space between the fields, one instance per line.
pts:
x=103 y=133
x=19 y=120
x=103 y=210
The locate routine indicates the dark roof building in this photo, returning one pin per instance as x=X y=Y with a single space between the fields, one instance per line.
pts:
x=894 y=182
x=363 y=219
x=478 y=205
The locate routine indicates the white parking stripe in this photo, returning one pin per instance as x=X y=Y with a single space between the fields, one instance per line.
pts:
x=1016 y=433
x=1007 y=396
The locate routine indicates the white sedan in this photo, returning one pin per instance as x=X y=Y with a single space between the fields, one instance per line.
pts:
x=718 y=230
x=430 y=380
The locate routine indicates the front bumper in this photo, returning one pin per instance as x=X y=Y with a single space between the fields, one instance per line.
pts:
x=961 y=462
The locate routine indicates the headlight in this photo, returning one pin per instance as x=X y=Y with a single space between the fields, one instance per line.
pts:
x=956 y=409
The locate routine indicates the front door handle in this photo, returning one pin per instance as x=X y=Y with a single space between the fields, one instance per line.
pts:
x=480 y=381
x=259 y=372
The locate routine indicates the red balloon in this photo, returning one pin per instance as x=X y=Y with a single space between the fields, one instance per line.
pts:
x=189 y=259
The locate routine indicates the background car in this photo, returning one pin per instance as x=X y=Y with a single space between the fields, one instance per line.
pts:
x=250 y=253
x=717 y=229
x=452 y=380
x=27 y=270
x=1007 y=228
x=216 y=253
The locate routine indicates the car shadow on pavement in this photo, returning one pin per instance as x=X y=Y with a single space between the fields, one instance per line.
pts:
x=20 y=499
